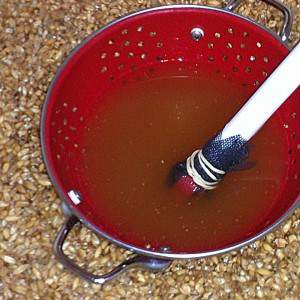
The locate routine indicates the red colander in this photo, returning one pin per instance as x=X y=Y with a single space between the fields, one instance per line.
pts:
x=190 y=37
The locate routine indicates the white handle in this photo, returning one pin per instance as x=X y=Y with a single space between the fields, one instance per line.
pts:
x=267 y=99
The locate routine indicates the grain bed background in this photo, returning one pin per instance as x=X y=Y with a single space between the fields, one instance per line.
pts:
x=35 y=37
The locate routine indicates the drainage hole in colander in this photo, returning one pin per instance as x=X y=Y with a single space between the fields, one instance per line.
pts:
x=103 y=69
x=239 y=57
x=245 y=34
x=229 y=45
x=252 y=58
x=81 y=119
x=140 y=44
x=124 y=31
x=210 y=45
x=152 y=33
x=247 y=69
x=117 y=54
x=74 y=109
x=293 y=115
x=242 y=45
x=230 y=30
x=258 y=44
x=211 y=58
x=294 y=161
x=293 y=135
x=143 y=56
x=217 y=35
x=265 y=74
x=126 y=43
x=266 y=59
x=58 y=156
x=139 y=29
x=256 y=83
x=65 y=121
x=103 y=55
x=159 y=44
x=225 y=57
x=111 y=42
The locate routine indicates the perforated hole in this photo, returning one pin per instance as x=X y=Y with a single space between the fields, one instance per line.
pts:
x=111 y=78
x=103 y=69
x=126 y=43
x=256 y=83
x=293 y=135
x=159 y=45
x=81 y=119
x=143 y=55
x=294 y=161
x=225 y=57
x=130 y=54
x=103 y=55
x=217 y=35
x=239 y=57
x=229 y=45
x=59 y=131
x=139 y=28
x=66 y=138
x=125 y=31
x=258 y=44
x=76 y=145
x=248 y=70
x=235 y=69
x=230 y=30
x=242 y=45
x=65 y=104
x=74 y=109
x=211 y=58
x=65 y=121
x=72 y=128
x=266 y=59
x=111 y=42
x=245 y=34
x=210 y=45
x=265 y=74
x=141 y=44
x=58 y=156
x=152 y=33
x=117 y=54
x=293 y=115
x=252 y=58
x=53 y=123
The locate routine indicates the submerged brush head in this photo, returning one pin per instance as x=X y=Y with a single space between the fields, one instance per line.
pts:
x=205 y=168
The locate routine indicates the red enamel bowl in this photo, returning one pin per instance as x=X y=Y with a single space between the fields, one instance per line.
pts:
x=146 y=37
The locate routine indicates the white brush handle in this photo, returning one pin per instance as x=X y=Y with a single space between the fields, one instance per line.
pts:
x=267 y=99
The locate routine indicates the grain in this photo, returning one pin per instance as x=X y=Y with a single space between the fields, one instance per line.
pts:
x=35 y=38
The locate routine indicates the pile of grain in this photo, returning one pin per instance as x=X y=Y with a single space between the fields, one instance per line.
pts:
x=35 y=37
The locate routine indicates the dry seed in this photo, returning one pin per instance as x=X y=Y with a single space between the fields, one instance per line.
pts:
x=9 y=259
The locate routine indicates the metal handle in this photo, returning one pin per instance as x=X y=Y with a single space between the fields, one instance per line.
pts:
x=152 y=264
x=288 y=16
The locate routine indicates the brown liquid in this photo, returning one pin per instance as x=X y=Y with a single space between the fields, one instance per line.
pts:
x=142 y=129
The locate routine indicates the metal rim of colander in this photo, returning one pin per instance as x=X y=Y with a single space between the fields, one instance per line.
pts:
x=80 y=216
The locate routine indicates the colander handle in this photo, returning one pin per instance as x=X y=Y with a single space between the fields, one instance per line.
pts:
x=152 y=264
x=288 y=16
